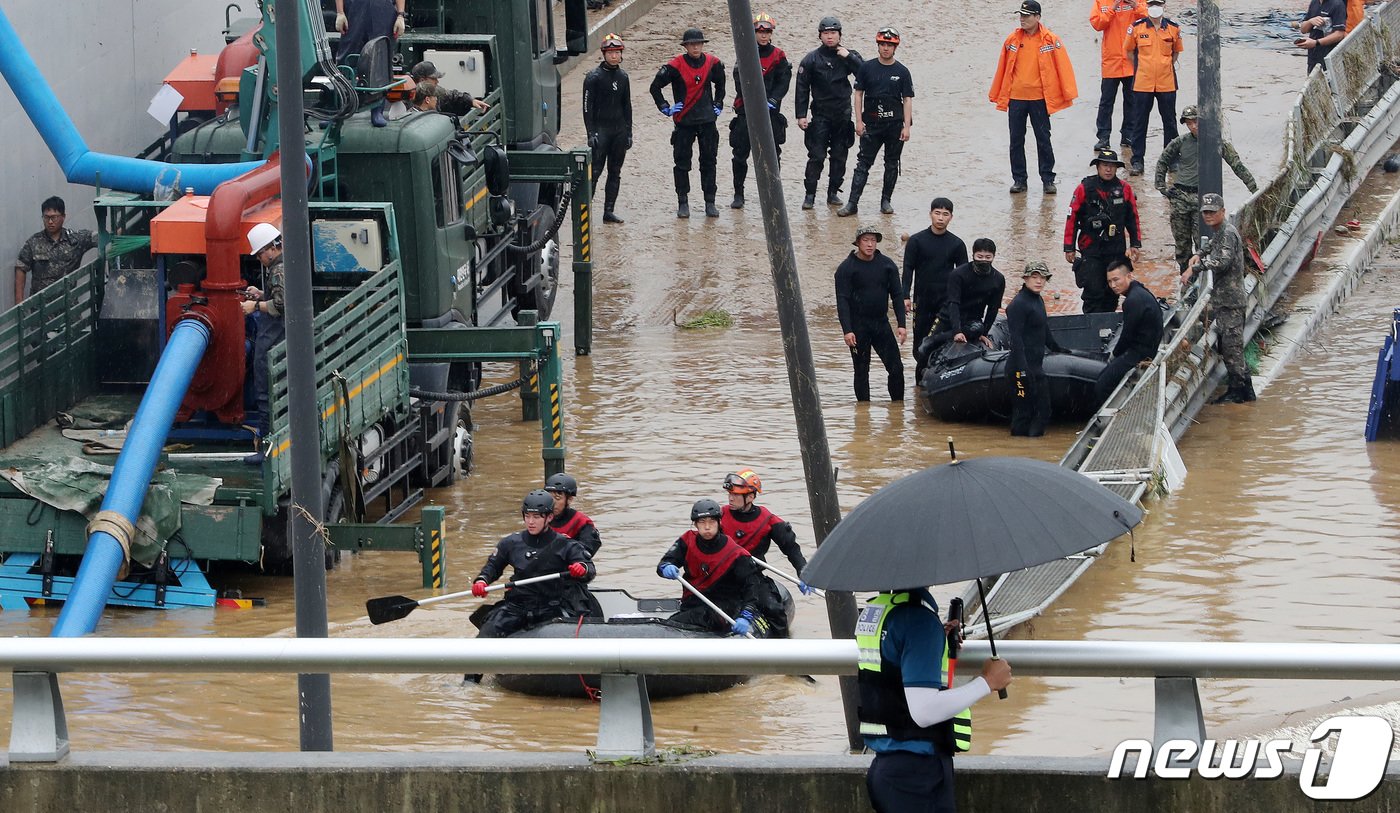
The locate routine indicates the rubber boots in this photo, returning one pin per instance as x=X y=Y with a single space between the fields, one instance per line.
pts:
x=682 y=208
x=1246 y=393
x=710 y=209
x=809 y=201
x=852 y=206
x=376 y=117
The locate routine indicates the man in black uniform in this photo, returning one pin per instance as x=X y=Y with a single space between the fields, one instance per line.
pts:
x=725 y=574
x=974 y=296
x=929 y=259
x=823 y=78
x=1141 y=334
x=607 y=118
x=885 y=97
x=777 y=78
x=536 y=551
x=696 y=80
x=1102 y=226
x=1030 y=337
x=866 y=283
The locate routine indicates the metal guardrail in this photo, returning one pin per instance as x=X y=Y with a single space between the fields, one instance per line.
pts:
x=39 y=731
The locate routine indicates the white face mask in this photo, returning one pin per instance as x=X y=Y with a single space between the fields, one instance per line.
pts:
x=1155 y=12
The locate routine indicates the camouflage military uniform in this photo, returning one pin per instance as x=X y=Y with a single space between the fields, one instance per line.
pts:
x=1183 y=157
x=1224 y=258
x=455 y=102
x=48 y=261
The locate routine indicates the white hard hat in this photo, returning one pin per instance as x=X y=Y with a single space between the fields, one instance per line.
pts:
x=261 y=236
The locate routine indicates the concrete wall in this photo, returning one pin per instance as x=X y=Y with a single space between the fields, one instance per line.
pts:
x=104 y=60
x=511 y=783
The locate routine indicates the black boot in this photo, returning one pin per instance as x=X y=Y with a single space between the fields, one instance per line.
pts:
x=833 y=199
x=710 y=209
x=809 y=201
x=853 y=200
x=1246 y=389
x=683 y=208
x=886 y=208
x=738 y=202
x=1232 y=392
x=609 y=216
x=376 y=117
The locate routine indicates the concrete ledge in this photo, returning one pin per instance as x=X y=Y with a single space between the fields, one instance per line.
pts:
x=508 y=782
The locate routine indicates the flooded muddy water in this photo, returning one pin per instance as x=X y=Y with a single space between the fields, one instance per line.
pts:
x=1285 y=529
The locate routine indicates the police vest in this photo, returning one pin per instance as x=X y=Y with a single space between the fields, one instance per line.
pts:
x=884 y=712
x=573 y=525
x=749 y=535
x=694 y=79
x=766 y=63
x=1103 y=218
x=704 y=569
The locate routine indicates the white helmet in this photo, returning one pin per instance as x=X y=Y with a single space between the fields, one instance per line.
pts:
x=261 y=236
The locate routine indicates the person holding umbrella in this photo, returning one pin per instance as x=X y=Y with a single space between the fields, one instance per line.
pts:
x=940 y=525
x=910 y=716
x=725 y=575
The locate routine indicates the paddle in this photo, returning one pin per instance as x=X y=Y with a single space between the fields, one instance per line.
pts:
x=819 y=593
x=392 y=608
x=708 y=603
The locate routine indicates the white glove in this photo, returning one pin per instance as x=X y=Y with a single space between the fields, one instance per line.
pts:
x=341 y=24
x=398 y=26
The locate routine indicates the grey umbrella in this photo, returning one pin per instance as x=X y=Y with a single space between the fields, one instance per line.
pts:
x=968 y=519
x=965 y=520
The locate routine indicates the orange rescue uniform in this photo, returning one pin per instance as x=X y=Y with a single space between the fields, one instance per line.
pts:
x=1356 y=12
x=1113 y=17
x=1047 y=52
x=1156 y=47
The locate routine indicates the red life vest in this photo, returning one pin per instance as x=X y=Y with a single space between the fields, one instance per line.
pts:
x=767 y=63
x=704 y=569
x=694 y=79
x=573 y=525
x=747 y=535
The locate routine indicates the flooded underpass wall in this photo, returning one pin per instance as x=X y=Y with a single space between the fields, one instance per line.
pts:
x=423 y=783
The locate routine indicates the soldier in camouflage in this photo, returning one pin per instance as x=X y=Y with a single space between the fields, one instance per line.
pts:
x=1183 y=157
x=53 y=253
x=1224 y=258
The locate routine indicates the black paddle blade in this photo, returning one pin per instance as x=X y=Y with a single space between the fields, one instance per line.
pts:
x=389 y=608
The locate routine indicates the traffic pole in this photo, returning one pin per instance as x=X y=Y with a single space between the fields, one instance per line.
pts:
x=308 y=548
x=797 y=344
x=1208 y=102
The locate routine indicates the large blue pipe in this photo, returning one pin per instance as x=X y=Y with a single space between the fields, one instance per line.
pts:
x=79 y=163
x=132 y=474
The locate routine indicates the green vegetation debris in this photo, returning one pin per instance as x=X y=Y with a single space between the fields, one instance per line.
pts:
x=663 y=756
x=713 y=318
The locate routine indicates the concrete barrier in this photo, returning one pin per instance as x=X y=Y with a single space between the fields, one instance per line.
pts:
x=143 y=782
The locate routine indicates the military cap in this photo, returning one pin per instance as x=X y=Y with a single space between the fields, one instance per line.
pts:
x=425 y=70
x=1036 y=267
x=1189 y=114
x=867 y=229
x=1212 y=202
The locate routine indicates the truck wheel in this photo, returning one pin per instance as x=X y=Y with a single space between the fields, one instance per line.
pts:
x=462 y=454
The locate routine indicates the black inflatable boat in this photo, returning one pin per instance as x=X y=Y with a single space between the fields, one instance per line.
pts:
x=624 y=616
x=967 y=381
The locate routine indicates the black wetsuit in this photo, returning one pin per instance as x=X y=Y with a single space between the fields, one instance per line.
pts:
x=1030 y=337
x=742 y=587
x=607 y=118
x=695 y=125
x=823 y=79
x=885 y=87
x=970 y=308
x=929 y=259
x=777 y=78
x=864 y=291
x=528 y=555
x=1137 y=341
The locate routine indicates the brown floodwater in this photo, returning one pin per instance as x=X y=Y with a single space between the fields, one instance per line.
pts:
x=1284 y=531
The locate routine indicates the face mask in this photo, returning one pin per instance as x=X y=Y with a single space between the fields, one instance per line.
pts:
x=981 y=267
x=1155 y=12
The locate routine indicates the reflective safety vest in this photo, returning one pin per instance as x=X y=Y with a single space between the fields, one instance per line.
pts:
x=884 y=712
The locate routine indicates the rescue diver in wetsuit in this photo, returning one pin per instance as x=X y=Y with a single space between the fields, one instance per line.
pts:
x=725 y=573
x=974 y=296
x=754 y=527
x=538 y=550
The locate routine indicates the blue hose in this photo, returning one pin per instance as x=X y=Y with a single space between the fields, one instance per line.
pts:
x=79 y=163
x=131 y=475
